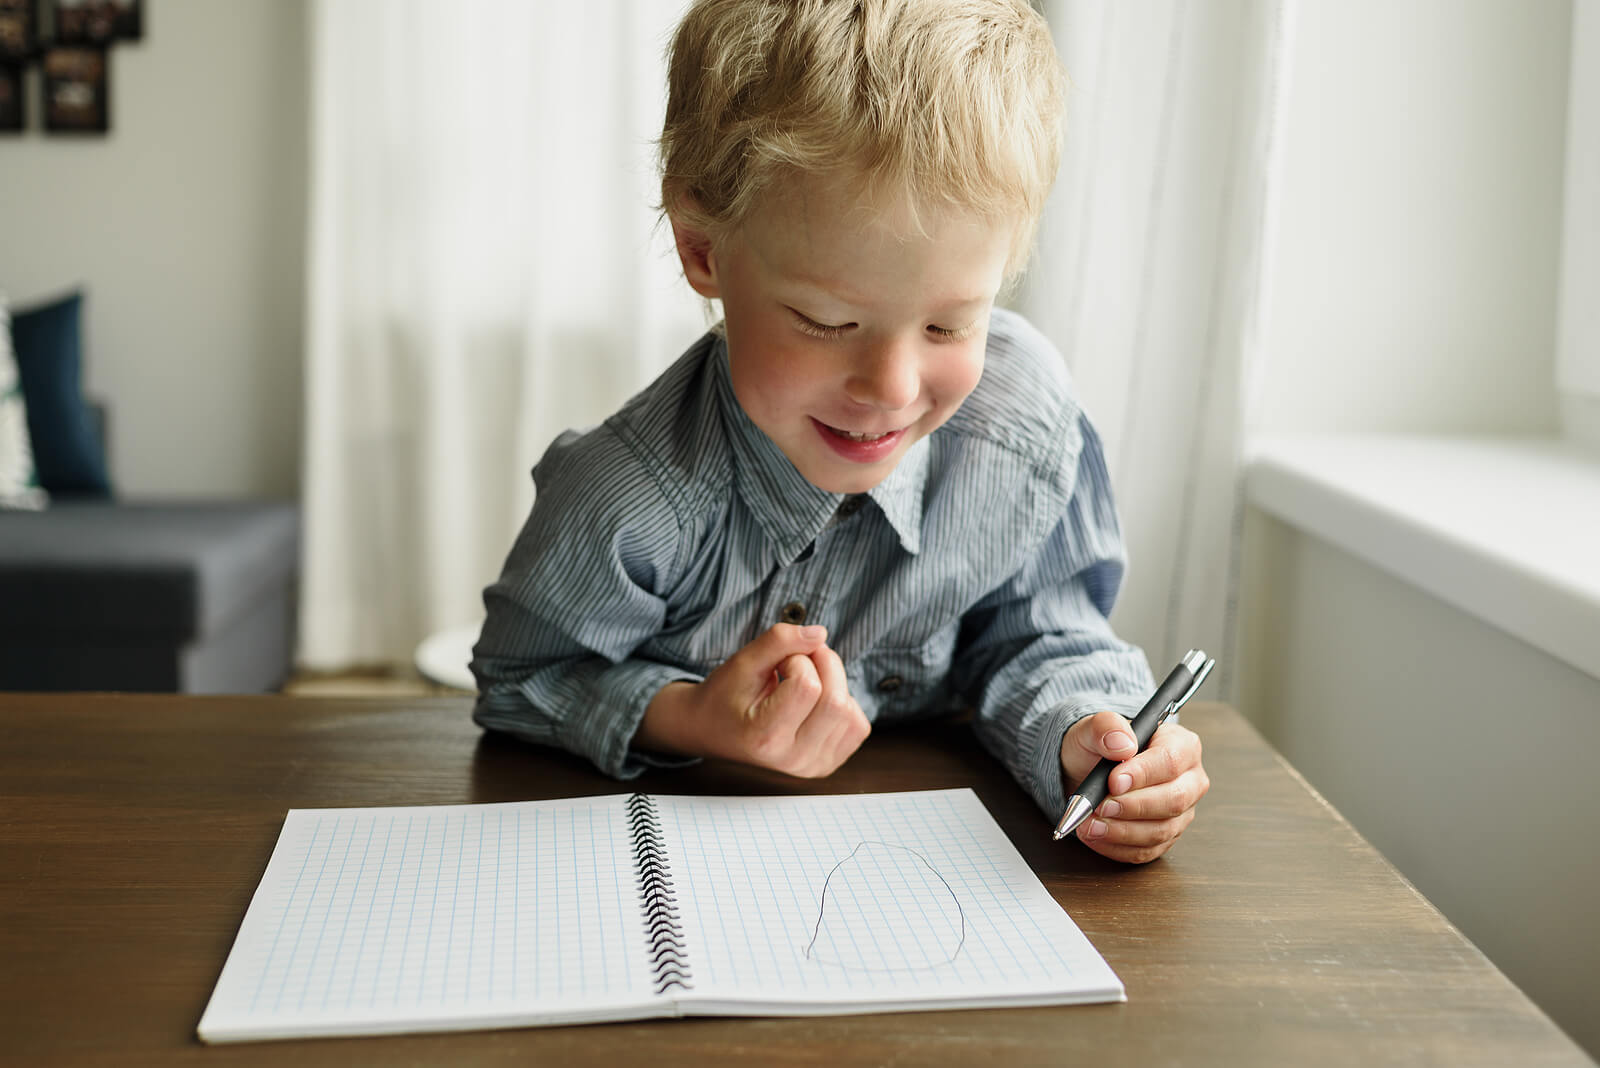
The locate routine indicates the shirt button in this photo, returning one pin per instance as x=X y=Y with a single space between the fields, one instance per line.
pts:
x=889 y=683
x=794 y=612
x=852 y=504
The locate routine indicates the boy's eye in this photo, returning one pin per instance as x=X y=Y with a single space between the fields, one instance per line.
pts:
x=810 y=326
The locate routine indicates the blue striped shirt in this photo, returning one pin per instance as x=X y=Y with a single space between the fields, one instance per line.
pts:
x=979 y=574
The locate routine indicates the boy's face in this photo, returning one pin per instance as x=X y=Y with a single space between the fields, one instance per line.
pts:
x=848 y=343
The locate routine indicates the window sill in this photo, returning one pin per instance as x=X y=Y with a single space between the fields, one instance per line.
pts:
x=1504 y=528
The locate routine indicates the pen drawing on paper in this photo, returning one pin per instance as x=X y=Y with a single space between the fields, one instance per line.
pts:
x=885 y=908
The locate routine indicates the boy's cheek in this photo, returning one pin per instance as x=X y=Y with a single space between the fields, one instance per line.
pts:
x=957 y=381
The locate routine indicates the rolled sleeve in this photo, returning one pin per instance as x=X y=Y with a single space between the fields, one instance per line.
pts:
x=556 y=662
x=628 y=689
x=1039 y=653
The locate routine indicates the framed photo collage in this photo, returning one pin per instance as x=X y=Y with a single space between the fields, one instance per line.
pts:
x=70 y=42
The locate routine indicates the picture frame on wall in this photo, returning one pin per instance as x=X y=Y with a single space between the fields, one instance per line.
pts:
x=12 y=101
x=19 y=30
x=129 y=19
x=77 y=90
x=98 y=22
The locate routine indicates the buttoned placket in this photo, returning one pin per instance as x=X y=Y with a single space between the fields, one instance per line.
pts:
x=794 y=597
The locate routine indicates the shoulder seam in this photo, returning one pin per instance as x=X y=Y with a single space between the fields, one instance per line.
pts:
x=676 y=494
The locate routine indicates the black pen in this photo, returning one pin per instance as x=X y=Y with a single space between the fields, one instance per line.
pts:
x=1184 y=680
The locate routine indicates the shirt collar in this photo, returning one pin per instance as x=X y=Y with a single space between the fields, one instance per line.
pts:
x=789 y=508
x=899 y=497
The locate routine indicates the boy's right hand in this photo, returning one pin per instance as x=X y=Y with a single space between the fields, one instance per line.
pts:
x=781 y=702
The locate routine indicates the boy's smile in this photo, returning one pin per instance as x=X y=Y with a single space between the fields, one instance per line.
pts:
x=850 y=336
x=861 y=448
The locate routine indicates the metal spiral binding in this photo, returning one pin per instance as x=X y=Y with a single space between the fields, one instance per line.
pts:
x=662 y=931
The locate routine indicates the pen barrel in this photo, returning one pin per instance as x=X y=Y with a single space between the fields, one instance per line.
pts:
x=1094 y=785
x=1155 y=710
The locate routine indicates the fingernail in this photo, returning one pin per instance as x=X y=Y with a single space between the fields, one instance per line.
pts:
x=1111 y=809
x=1094 y=829
x=1117 y=741
x=1120 y=782
x=813 y=633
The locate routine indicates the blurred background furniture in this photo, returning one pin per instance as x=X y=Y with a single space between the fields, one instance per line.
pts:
x=442 y=657
x=191 y=597
x=101 y=592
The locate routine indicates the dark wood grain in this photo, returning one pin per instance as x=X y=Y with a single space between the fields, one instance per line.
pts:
x=133 y=831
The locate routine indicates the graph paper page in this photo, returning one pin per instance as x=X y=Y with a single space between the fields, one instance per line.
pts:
x=438 y=917
x=865 y=902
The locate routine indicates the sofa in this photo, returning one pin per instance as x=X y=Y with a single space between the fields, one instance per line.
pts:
x=101 y=592
x=185 y=597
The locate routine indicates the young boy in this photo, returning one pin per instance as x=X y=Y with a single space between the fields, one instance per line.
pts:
x=867 y=495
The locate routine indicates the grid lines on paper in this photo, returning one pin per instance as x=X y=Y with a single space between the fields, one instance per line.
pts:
x=425 y=909
x=934 y=899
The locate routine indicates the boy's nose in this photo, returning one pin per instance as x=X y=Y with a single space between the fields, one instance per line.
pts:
x=888 y=377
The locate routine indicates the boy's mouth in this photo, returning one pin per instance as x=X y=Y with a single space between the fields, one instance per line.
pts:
x=859 y=446
x=853 y=436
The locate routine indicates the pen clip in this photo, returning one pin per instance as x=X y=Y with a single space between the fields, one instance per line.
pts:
x=1199 y=677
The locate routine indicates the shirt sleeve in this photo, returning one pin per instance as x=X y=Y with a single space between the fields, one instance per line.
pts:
x=1038 y=653
x=580 y=592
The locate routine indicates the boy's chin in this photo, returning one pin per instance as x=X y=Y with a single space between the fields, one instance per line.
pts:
x=831 y=473
x=856 y=479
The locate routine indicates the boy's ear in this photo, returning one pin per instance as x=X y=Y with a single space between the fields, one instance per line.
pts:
x=698 y=257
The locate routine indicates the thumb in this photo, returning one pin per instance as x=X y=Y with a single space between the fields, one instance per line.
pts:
x=758 y=663
x=1104 y=735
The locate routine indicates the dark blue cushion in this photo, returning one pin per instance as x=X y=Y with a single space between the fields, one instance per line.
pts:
x=67 y=450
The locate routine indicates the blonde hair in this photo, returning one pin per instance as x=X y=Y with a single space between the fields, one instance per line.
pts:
x=926 y=103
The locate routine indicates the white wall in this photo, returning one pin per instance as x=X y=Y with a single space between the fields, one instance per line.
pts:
x=1578 y=350
x=185 y=227
x=1465 y=755
x=1417 y=257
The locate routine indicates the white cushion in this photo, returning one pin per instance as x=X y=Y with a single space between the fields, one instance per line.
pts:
x=19 y=481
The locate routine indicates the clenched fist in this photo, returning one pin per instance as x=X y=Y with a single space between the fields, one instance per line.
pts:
x=781 y=702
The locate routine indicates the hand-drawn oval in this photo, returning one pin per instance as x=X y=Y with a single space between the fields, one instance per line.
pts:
x=885 y=908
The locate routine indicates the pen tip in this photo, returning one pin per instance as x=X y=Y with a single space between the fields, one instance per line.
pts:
x=1078 y=809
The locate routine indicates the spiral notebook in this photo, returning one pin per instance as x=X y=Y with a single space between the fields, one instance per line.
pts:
x=384 y=920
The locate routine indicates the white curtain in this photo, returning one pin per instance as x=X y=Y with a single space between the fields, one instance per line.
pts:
x=1152 y=276
x=485 y=270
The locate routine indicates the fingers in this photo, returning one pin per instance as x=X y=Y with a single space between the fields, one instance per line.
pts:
x=1158 y=802
x=1173 y=750
x=836 y=726
x=779 y=715
x=1102 y=735
x=1153 y=799
x=809 y=724
x=754 y=665
x=1133 y=841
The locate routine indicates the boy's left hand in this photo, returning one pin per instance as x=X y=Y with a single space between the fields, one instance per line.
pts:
x=1150 y=797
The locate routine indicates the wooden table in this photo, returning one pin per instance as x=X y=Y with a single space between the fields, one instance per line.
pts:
x=133 y=831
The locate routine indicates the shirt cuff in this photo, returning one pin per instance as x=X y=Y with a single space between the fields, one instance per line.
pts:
x=605 y=734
